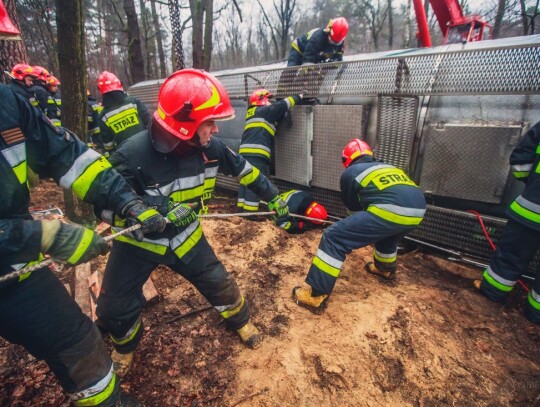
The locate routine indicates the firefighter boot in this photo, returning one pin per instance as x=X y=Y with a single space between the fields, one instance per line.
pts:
x=303 y=297
x=250 y=335
x=477 y=284
x=121 y=362
x=385 y=274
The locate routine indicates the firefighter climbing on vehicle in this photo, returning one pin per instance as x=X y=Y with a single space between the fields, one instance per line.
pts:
x=389 y=206
x=122 y=115
x=318 y=45
x=301 y=203
x=54 y=110
x=36 y=311
x=262 y=119
x=174 y=164
x=22 y=79
x=520 y=239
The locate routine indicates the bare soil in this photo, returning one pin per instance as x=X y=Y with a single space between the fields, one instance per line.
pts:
x=426 y=339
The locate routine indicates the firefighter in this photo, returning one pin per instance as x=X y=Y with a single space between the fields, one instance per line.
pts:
x=54 y=110
x=262 y=119
x=389 y=206
x=301 y=203
x=41 y=92
x=36 y=311
x=320 y=44
x=175 y=164
x=94 y=134
x=122 y=115
x=22 y=79
x=520 y=239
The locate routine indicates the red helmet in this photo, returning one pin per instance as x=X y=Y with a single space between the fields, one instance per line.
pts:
x=354 y=149
x=260 y=97
x=316 y=210
x=42 y=73
x=20 y=71
x=53 y=81
x=338 y=29
x=107 y=82
x=188 y=98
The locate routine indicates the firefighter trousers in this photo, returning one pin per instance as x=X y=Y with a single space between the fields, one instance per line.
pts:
x=248 y=201
x=356 y=231
x=515 y=250
x=121 y=299
x=39 y=314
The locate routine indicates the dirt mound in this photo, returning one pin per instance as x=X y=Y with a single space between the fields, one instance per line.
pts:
x=426 y=339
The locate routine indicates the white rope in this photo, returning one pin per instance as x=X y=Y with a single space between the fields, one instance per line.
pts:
x=45 y=263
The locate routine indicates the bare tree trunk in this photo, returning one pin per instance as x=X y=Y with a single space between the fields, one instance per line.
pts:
x=499 y=18
x=208 y=28
x=145 y=41
x=197 y=11
x=159 y=40
x=135 y=56
x=390 y=25
x=71 y=52
x=407 y=26
x=12 y=52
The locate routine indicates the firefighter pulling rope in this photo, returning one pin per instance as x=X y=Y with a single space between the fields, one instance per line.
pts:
x=47 y=262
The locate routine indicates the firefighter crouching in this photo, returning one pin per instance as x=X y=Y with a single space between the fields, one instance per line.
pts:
x=390 y=205
x=301 y=203
x=262 y=119
x=122 y=115
x=175 y=164
x=520 y=239
x=36 y=311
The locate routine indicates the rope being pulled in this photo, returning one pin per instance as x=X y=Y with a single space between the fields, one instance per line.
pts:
x=47 y=262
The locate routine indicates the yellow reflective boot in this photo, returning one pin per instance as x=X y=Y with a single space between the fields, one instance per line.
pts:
x=302 y=296
x=387 y=275
x=121 y=362
x=250 y=335
x=476 y=284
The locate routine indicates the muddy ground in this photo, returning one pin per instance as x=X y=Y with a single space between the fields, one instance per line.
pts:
x=426 y=339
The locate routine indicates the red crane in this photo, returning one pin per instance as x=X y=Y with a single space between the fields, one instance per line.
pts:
x=456 y=28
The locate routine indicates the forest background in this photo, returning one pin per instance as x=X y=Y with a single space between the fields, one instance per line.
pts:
x=135 y=40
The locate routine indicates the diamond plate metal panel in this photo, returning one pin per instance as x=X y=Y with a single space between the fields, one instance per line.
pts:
x=468 y=162
x=333 y=127
x=459 y=230
x=292 y=147
x=396 y=126
x=510 y=68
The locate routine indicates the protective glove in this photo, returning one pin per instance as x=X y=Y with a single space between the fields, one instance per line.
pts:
x=183 y=215
x=72 y=243
x=279 y=206
x=162 y=204
x=149 y=219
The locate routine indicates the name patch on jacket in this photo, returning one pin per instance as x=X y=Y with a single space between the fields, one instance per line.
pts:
x=12 y=136
x=388 y=179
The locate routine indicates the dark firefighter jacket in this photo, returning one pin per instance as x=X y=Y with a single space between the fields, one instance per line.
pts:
x=28 y=139
x=54 y=108
x=261 y=123
x=184 y=177
x=298 y=202
x=525 y=163
x=316 y=48
x=122 y=117
x=20 y=89
x=383 y=190
x=93 y=123
x=42 y=96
